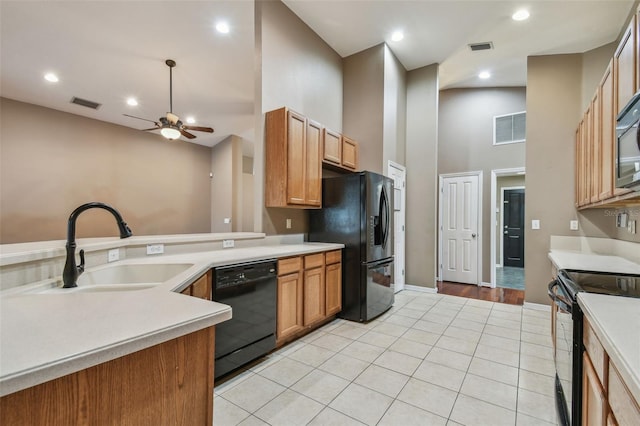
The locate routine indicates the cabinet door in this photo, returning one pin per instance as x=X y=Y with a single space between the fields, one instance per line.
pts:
x=624 y=406
x=349 y=153
x=333 y=281
x=312 y=164
x=296 y=155
x=289 y=318
x=314 y=295
x=594 y=403
x=625 y=67
x=607 y=139
x=202 y=287
x=332 y=147
x=595 y=160
x=586 y=158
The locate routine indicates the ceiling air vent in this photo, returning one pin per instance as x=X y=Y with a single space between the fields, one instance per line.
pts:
x=85 y=103
x=481 y=46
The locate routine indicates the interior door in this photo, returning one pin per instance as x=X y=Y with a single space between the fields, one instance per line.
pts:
x=459 y=229
x=513 y=232
x=398 y=173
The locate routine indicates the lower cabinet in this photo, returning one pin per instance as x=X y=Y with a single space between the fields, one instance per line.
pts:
x=309 y=292
x=167 y=384
x=605 y=397
x=200 y=288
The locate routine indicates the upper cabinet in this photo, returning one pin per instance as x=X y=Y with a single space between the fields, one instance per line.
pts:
x=296 y=147
x=595 y=135
x=339 y=151
x=293 y=173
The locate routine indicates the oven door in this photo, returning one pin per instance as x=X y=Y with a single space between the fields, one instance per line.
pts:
x=563 y=351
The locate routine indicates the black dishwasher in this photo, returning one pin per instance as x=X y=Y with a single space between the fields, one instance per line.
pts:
x=250 y=290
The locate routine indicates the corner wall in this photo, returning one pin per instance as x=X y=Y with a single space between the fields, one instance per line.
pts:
x=422 y=175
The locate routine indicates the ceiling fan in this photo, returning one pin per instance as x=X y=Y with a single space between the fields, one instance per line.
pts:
x=171 y=127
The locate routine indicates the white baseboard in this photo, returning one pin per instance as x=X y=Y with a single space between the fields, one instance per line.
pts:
x=420 y=289
x=484 y=284
x=537 y=306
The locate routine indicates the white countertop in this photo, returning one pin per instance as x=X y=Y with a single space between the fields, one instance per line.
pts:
x=46 y=336
x=573 y=259
x=616 y=322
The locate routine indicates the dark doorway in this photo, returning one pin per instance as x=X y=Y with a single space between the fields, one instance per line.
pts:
x=513 y=232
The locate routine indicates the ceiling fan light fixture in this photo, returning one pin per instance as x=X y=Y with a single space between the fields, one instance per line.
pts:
x=170 y=133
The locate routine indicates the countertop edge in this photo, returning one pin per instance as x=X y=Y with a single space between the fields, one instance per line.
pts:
x=631 y=378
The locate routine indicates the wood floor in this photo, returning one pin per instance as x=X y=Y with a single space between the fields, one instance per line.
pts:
x=498 y=294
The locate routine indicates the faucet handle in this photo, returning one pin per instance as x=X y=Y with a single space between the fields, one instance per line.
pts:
x=81 y=266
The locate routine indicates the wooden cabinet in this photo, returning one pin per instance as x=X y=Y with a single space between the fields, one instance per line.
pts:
x=333 y=282
x=595 y=136
x=624 y=407
x=200 y=288
x=167 y=384
x=594 y=402
x=293 y=173
x=309 y=292
x=289 y=318
x=314 y=289
x=339 y=151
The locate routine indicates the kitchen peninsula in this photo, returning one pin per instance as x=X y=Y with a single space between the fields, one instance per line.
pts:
x=124 y=356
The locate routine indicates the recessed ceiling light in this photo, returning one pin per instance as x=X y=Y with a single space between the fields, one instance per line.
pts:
x=397 y=36
x=520 y=15
x=191 y=120
x=484 y=75
x=132 y=102
x=51 y=77
x=222 y=27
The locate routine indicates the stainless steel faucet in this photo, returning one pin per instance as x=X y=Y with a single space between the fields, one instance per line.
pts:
x=71 y=272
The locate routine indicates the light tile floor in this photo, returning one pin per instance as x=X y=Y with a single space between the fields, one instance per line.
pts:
x=430 y=360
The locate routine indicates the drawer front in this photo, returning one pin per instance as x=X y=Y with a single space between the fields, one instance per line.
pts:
x=596 y=352
x=289 y=265
x=624 y=406
x=333 y=256
x=314 y=261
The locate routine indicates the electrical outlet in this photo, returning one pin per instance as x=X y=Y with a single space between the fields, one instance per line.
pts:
x=631 y=226
x=228 y=243
x=573 y=225
x=288 y=223
x=227 y=220
x=113 y=255
x=535 y=224
x=155 y=248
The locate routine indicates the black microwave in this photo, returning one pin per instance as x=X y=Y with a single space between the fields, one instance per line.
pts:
x=628 y=145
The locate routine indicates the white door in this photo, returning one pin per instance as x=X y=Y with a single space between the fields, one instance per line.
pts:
x=398 y=173
x=459 y=228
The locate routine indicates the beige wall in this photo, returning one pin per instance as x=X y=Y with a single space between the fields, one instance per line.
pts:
x=300 y=71
x=51 y=162
x=421 y=162
x=503 y=182
x=465 y=143
x=227 y=186
x=364 y=75
x=395 y=110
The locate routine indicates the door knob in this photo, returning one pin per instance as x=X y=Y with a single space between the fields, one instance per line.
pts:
x=473 y=235
x=506 y=232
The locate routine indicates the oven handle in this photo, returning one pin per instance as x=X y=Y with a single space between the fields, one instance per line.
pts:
x=558 y=301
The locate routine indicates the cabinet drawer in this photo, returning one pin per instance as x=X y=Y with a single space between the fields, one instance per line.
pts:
x=596 y=352
x=314 y=260
x=625 y=408
x=289 y=265
x=333 y=256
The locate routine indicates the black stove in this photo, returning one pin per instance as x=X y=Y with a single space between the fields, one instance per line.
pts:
x=614 y=284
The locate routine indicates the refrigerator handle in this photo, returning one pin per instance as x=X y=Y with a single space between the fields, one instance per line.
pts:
x=384 y=213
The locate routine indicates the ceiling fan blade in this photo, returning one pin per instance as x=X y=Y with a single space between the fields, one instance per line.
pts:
x=152 y=128
x=199 y=128
x=173 y=119
x=187 y=134
x=140 y=118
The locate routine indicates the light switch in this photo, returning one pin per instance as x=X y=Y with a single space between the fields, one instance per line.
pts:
x=227 y=220
x=535 y=224
x=288 y=223
x=573 y=225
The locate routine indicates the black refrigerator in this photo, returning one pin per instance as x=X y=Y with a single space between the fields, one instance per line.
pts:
x=357 y=211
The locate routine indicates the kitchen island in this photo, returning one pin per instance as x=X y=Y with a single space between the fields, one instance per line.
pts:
x=72 y=352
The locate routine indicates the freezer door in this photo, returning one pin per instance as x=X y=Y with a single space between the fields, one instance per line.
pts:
x=380 y=295
x=379 y=217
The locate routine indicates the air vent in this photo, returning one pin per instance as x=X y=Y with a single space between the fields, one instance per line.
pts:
x=85 y=103
x=481 y=46
x=510 y=128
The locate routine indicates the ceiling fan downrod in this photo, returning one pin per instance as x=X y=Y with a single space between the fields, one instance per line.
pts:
x=170 y=63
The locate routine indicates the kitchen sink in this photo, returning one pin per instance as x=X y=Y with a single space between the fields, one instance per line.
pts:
x=129 y=274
